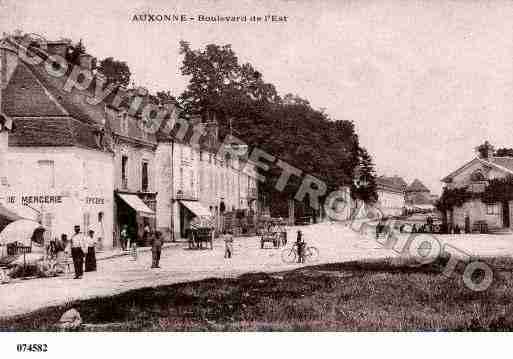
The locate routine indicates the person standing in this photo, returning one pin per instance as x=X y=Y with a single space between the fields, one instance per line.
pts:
x=124 y=237
x=90 y=260
x=62 y=255
x=300 y=247
x=77 y=252
x=228 y=245
x=146 y=233
x=156 y=249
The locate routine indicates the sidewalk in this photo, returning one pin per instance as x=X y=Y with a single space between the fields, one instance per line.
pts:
x=180 y=264
x=116 y=252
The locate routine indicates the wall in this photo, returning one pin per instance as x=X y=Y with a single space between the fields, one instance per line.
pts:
x=202 y=176
x=81 y=188
x=477 y=211
x=390 y=203
x=136 y=155
x=3 y=158
x=164 y=188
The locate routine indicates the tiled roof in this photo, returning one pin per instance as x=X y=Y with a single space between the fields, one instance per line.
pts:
x=73 y=102
x=417 y=186
x=56 y=131
x=24 y=96
x=394 y=183
x=506 y=162
x=44 y=114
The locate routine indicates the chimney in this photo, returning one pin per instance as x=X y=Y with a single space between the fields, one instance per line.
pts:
x=87 y=61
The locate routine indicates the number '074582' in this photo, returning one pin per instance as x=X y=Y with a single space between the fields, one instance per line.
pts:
x=32 y=347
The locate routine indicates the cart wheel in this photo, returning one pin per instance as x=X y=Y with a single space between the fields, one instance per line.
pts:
x=289 y=255
x=311 y=254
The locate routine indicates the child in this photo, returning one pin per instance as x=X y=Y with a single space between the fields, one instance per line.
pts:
x=133 y=251
x=228 y=244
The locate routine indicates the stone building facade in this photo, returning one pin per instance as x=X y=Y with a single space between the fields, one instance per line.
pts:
x=56 y=169
x=72 y=161
x=474 y=176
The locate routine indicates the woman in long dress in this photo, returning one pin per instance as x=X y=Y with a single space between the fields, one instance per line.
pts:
x=90 y=259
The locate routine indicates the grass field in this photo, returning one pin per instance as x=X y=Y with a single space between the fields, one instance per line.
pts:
x=372 y=296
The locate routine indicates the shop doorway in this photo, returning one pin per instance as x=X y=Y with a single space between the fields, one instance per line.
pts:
x=126 y=215
x=505 y=215
x=186 y=216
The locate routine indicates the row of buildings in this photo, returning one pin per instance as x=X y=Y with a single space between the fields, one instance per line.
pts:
x=66 y=160
x=395 y=196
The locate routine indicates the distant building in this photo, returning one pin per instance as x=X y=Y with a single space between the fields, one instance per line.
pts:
x=391 y=192
x=474 y=176
x=205 y=181
x=419 y=197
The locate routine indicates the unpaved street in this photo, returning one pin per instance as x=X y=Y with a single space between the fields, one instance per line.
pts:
x=336 y=243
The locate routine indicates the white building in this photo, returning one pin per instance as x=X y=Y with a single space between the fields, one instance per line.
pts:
x=204 y=181
x=391 y=195
x=72 y=162
x=57 y=168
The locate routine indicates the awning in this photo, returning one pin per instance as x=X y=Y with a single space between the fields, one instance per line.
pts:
x=137 y=204
x=8 y=215
x=196 y=208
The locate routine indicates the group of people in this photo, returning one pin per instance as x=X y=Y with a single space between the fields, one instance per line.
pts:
x=83 y=247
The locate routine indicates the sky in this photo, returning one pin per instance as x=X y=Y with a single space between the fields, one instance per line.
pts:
x=424 y=82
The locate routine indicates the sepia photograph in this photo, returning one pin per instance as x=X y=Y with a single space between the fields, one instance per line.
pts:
x=255 y=166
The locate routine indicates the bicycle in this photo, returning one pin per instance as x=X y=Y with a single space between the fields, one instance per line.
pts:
x=290 y=255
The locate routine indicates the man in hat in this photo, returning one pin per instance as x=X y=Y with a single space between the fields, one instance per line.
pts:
x=156 y=249
x=78 y=245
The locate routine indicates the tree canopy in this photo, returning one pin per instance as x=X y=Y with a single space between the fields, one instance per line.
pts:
x=504 y=152
x=287 y=127
x=115 y=71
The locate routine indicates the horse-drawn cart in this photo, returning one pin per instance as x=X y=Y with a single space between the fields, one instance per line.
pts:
x=200 y=235
x=272 y=230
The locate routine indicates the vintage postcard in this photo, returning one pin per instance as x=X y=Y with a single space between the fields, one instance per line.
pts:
x=224 y=166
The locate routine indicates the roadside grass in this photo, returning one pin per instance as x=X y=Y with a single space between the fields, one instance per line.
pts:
x=381 y=295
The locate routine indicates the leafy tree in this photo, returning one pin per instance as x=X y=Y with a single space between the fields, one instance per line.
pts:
x=498 y=190
x=504 y=152
x=165 y=97
x=484 y=149
x=364 y=185
x=450 y=198
x=288 y=128
x=115 y=71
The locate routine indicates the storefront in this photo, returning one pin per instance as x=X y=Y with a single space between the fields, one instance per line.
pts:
x=58 y=212
x=134 y=211
x=187 y=211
